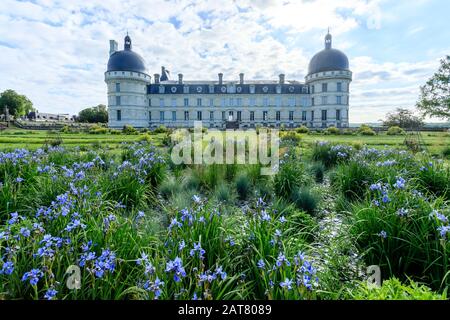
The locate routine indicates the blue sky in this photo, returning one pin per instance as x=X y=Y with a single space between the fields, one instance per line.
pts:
x=56 y=51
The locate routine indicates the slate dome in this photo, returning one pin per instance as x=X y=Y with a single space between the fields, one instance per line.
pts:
x=328 y=59
x=126 y=60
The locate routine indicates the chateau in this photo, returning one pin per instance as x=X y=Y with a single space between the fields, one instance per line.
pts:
x=137 y=99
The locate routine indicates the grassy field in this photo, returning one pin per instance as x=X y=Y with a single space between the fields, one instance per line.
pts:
x=435 y=142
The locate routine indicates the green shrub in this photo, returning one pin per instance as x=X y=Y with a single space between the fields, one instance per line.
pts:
x=365 y=130
x=290 y=176
x=330 y=154
x=332 y=130
x=128 y=129
x=291 y=137
x=393 y=289
x=224 y=193
x=318 y=171
x=433 y=177
x=395 y=131
x=305 y=199
x=161 y=129
x=446 y=152
x=169 y=187
x=352 y=179
x=145 y=137
x=302 y=129
x=243 y=186
x=191 y=182
x=348 y=132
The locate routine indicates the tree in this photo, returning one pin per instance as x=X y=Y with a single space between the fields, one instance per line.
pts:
x=403 y=118
x=18 y=105
x=435 y=94
x=94 y=114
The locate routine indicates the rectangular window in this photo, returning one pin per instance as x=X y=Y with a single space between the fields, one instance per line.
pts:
x=324 y=87
x=223 y=115
x=149 y=116
x=239 y=102
x=161 y=102
x=161 y=115
x=324 y=114
x=211 y=102
x=324 y=100
x=338 y=114
x=223 y=102
x=338 y=100
x=312 y=115
x=278 y=115
x=252 y=115
x=303 y=115
x=174 y=102
x=239 y=115
x=149 y=102
x=312 y=102
x=265 y=115
x=291 y=115
x=118 y=101
x=231 y=102
x=186 y=102
x=339 y=86
x=211 y=115
x=199 y=102
x=252 y=102
x=199 y=115
x=186 y=116
x=174 y=116
x=312 y=89
x=291 y=102
x=117 y=87
x=278 y=101
x=265 y=102
x=304 y=101
x=119 y=115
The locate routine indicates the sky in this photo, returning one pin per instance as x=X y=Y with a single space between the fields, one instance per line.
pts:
x=55 y=52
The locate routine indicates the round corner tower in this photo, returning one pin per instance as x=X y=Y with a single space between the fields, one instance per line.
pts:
x=127 y=79
x=329 y=80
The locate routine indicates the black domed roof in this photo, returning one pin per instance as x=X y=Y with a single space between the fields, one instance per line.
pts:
x=126 y=60
x=328 y=59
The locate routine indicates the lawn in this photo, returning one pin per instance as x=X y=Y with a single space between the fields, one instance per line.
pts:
x=434 y=142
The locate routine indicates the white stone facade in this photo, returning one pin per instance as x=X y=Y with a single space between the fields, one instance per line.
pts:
x=321 y=101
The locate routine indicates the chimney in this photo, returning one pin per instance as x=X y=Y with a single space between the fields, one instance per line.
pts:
x=281 y=78
x=112 y=46
x=220 y=78
x=241 y=78
x=156 y=78
x=180 y=78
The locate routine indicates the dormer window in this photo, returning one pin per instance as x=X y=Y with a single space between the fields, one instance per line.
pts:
x=161 y=89
x=186 y=89
x=211 y=88
x=252 y=89
x=278 y=89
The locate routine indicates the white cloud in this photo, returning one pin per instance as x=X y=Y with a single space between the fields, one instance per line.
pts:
x=56 y=51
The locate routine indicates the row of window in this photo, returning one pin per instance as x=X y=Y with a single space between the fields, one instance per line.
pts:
x=238 y=102
x=325 y=87
x=238 y=115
